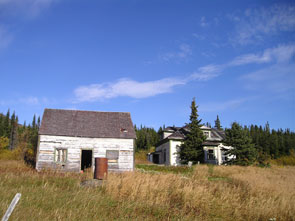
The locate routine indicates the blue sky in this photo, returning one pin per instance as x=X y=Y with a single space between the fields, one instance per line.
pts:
x=150 y=58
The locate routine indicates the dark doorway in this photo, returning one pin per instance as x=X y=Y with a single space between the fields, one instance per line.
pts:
x=86 y=159
x=156 y=158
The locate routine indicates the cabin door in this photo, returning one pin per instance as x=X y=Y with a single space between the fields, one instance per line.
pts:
x=86 y=159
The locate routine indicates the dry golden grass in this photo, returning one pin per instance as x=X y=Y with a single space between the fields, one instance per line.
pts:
x=206 y=193
x=232 y=193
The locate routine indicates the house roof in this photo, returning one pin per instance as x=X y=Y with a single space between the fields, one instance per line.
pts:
x=94 y=124
x=179 y=133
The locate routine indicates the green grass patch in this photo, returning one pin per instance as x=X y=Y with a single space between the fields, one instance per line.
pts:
x=165 y=169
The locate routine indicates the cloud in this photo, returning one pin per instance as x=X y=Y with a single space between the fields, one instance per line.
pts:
x=278 y=78
x=18 y=9
x=28 y=8
x=126 y=88
x=280 y=54
x=258 y=23
x=203 y=22
x=183 y=52
x=134 y=89
x=29 y=100
x=206 y=73
x=221 y=106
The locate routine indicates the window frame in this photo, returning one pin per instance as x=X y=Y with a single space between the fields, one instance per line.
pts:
x=210 y=154
x=113 y=160
x=64 y=152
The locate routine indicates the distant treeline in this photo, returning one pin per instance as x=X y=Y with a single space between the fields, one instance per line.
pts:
x=146 y=137
x=17 y=140
x=272 y=143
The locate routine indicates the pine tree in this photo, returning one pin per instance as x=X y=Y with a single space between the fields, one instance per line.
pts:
x=6 y=125
x=192 y=149
x=38 y=123
x=217 y=124
x=13 y=127
x=244 y=151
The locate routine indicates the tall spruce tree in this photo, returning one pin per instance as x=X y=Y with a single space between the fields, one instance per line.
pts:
x=217 y=124
x=192 y=149
x=243 y=152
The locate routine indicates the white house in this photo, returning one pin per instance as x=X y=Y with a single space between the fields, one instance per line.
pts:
x=69 y=140
x=172 y=137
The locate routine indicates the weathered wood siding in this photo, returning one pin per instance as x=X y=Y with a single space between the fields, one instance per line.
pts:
x=74 y=145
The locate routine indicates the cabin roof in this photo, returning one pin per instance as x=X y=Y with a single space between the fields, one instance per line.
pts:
x=93 y=124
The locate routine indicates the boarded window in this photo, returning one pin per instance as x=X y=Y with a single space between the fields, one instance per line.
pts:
x=61 y=155
x=113 y=156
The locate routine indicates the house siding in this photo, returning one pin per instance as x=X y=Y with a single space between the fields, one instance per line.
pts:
x=174 y=150
x=164 y=147
x=74 y=145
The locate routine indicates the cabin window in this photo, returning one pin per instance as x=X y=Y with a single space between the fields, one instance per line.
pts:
x=210 y=155
x=61 y=155
x=113 y=156
x=207 y=133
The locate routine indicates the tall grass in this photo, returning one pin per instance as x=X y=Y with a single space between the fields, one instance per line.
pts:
x=205 y=193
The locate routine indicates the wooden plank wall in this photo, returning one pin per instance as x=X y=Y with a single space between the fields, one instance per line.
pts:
x=74 y=145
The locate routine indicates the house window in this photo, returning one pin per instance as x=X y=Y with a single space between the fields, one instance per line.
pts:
x=210 y=155
x=61 y=155
x=164 y=155
x=207 y=133
x=113 y=156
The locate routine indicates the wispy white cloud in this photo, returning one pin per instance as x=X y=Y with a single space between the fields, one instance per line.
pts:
x=222 y=106
x=126 y=88
x=206 y=73
x=18 y=9
x=29 y=100
x=203 y=22
x=198 y=36
x=29 y=8
x=134 y=89
x=255 y=24
x=277 y=78
x=184 y=51
x=282 y=53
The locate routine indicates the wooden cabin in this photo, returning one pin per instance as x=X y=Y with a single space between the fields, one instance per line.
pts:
x=69 y=140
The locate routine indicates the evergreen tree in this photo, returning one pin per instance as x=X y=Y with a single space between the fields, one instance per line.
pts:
x=13 y=128
x=34 y=122
x=38 y=123
x=217 y=124
x=1 y=125
x=244 y=151
x=192 y=149
x=6 y=125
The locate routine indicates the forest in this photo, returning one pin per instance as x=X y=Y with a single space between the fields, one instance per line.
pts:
x=19 y=141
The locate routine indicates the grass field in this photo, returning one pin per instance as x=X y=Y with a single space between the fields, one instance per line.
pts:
x=152 y=193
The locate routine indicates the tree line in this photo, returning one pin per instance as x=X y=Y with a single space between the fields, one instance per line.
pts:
x=18 y=140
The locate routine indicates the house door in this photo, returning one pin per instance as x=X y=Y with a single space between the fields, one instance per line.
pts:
x=156 y=158
x=86 y=159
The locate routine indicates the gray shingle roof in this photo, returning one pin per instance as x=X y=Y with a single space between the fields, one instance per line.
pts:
x=179 y=133
x=94 y=124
